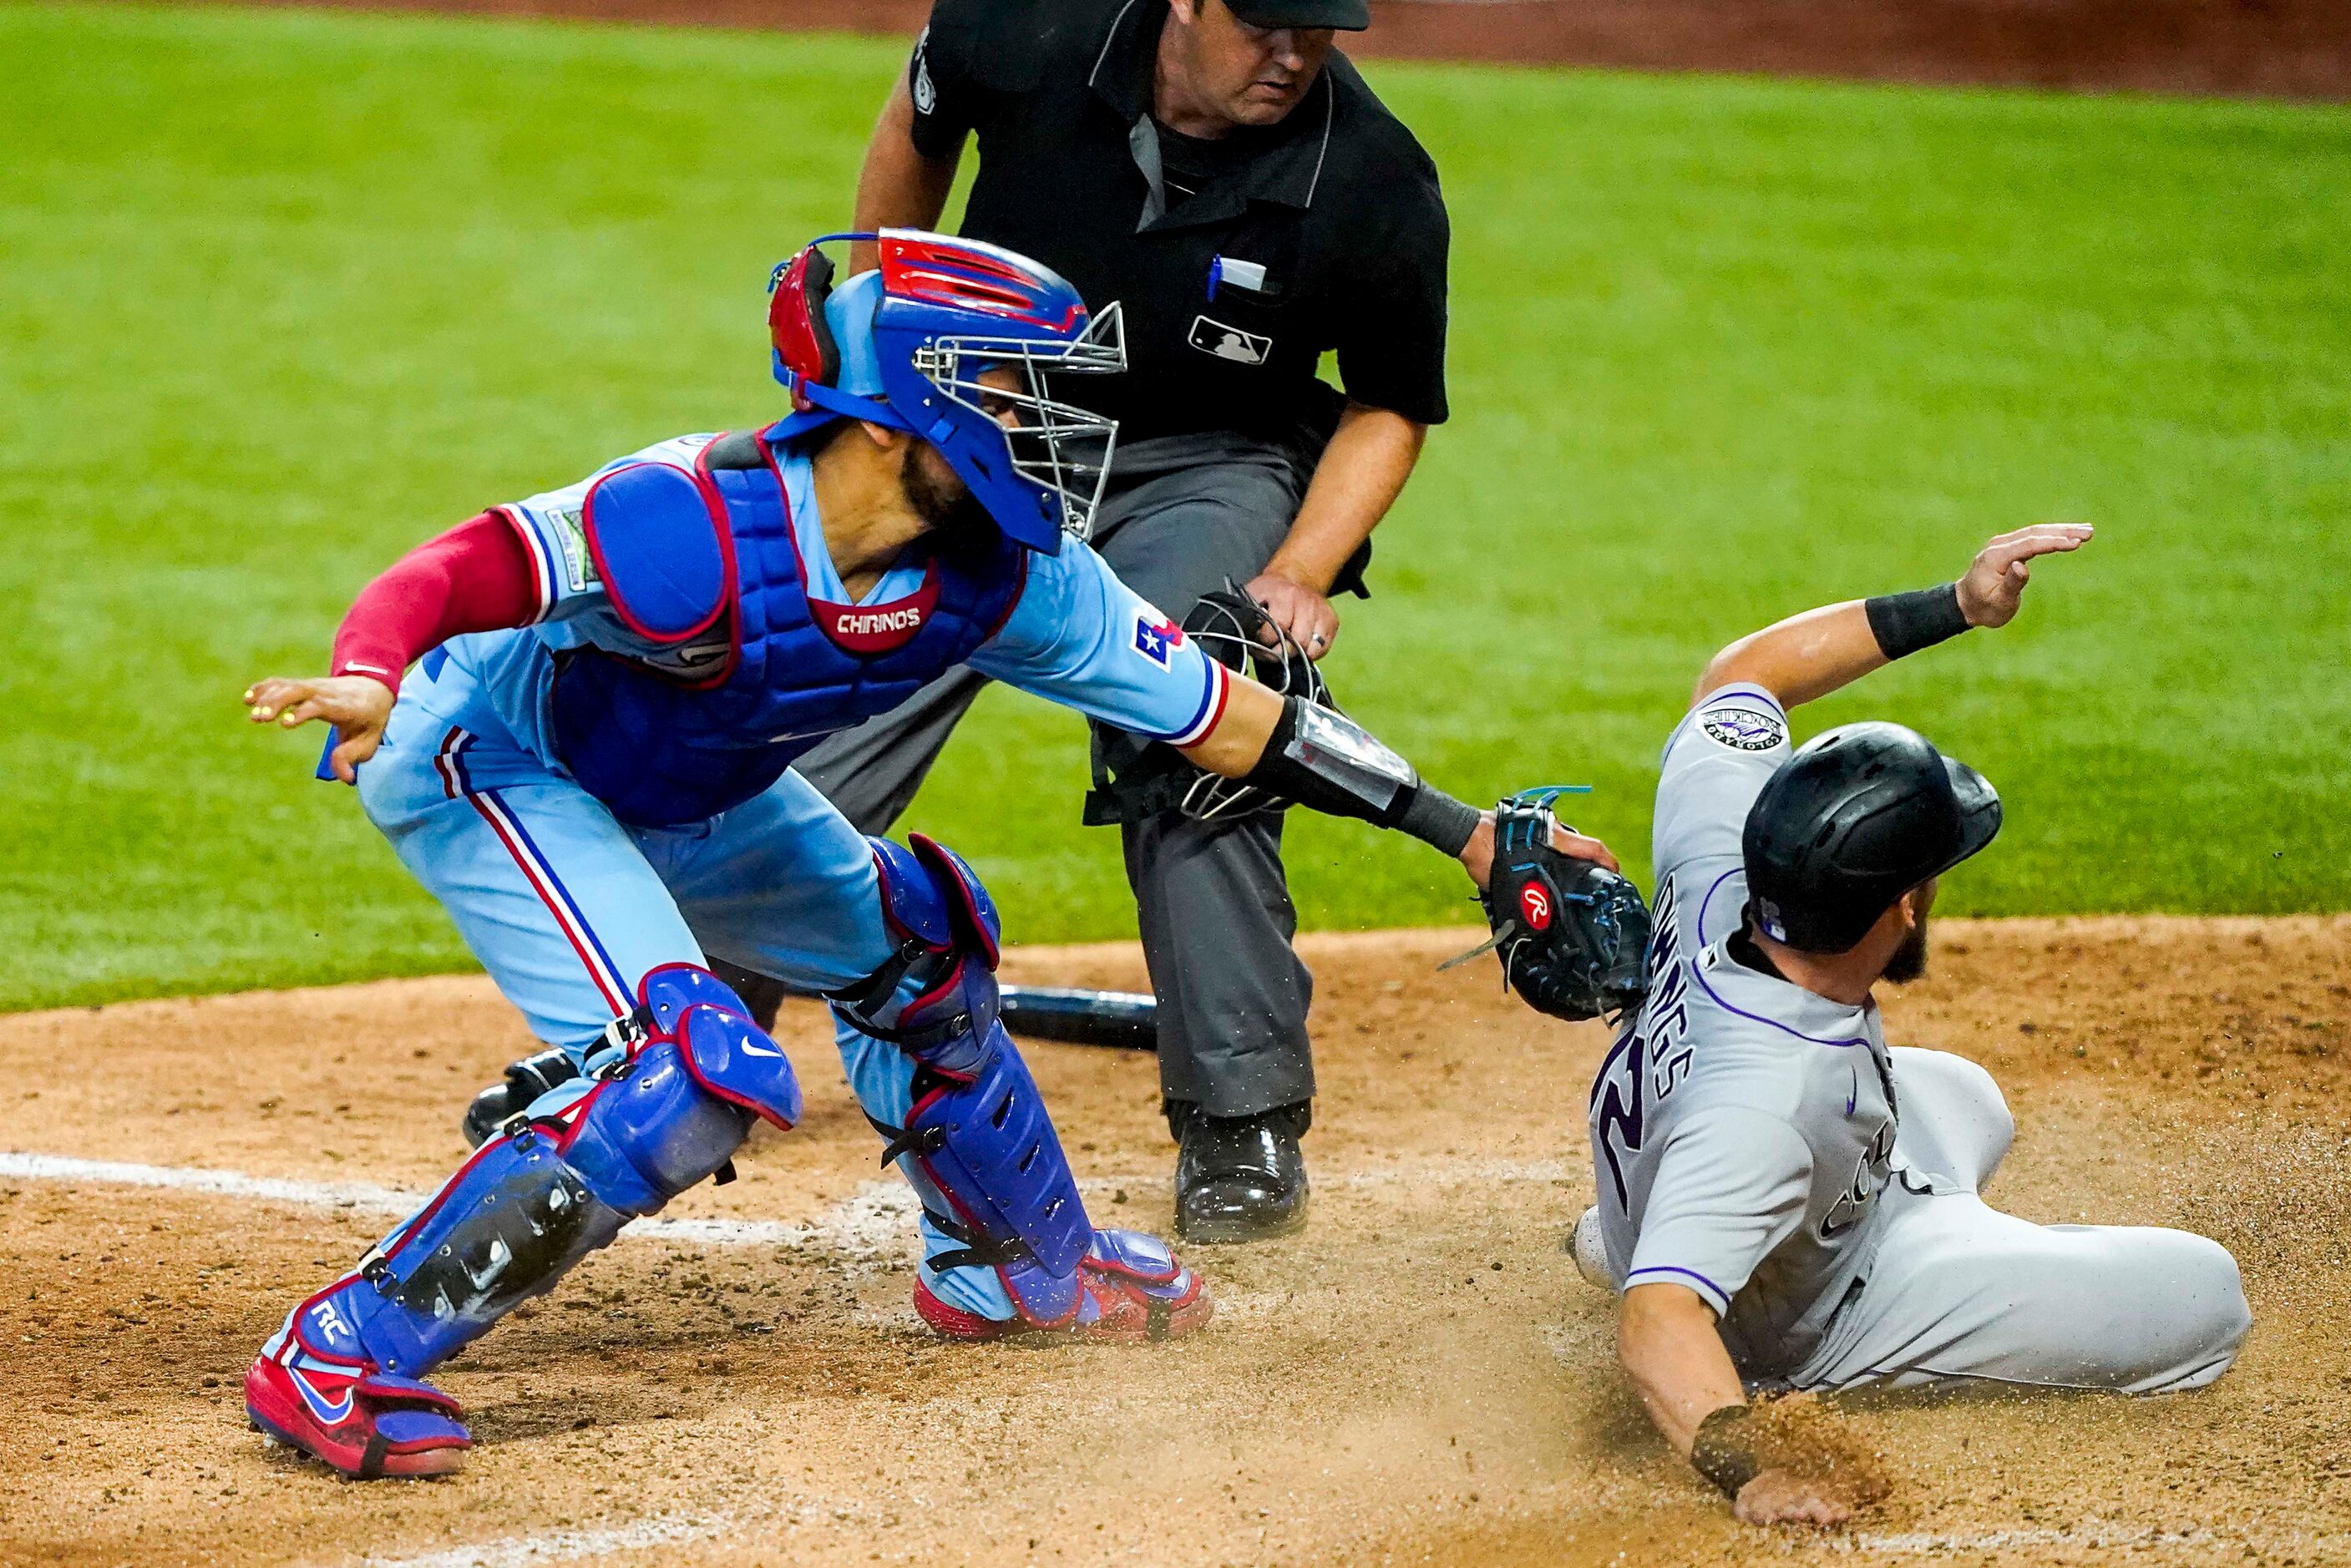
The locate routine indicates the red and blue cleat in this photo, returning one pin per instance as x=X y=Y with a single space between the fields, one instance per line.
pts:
x=1132 y=1289
x=344 y=1410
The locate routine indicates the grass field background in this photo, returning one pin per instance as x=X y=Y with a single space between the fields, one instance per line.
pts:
x=282 y=293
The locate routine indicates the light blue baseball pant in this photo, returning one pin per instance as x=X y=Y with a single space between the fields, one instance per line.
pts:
x=567 y=908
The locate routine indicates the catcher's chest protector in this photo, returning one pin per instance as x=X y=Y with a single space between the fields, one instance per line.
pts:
x=659 y=749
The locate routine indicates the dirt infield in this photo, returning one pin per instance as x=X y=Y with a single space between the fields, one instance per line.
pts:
x=2270 y=48
x=1420 y=1377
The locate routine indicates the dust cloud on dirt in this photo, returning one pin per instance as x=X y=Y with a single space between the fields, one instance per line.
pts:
x=1419 y=1377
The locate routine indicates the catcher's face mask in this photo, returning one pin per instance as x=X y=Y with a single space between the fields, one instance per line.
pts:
x=951 y=340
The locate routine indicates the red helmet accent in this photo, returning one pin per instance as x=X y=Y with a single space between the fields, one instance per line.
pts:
x=967 y=278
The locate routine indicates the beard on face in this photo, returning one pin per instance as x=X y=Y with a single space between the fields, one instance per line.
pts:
x=1909 y=960
x=960 y=526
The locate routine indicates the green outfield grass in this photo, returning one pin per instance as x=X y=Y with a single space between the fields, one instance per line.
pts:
x=281 y=292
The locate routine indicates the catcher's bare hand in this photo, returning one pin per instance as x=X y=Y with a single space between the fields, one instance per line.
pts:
x=358 y=706
x=1783 y=1497
x=1993 y=587
x=1307 y=615
x=1477 y=854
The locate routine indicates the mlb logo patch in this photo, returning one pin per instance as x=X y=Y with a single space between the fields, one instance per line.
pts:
x=1213 y=338
x=1157 y=640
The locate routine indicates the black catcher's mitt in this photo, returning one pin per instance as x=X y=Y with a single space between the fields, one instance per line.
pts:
x=1573 y=936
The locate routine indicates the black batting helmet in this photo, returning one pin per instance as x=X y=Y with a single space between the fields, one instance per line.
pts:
x=1857 y=818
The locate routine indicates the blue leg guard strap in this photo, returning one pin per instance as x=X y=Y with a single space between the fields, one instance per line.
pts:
x=527 y=1206
x=937 y=998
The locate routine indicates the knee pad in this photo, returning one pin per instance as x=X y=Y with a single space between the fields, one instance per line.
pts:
x=720 y=1045
x=978 y=1129
x=529 y=1205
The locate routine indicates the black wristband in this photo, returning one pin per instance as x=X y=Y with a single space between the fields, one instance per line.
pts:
x=1905 y=623
x=1720 y=1452
x=1438 y=820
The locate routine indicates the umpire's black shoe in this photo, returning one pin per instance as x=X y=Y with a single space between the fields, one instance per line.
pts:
x=1241 y=1179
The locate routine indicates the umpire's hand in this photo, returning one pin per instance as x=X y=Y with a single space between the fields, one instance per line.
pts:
x=358 y=706
x=1298 y=609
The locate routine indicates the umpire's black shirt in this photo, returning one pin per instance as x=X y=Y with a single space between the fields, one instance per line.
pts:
x=1336 y=205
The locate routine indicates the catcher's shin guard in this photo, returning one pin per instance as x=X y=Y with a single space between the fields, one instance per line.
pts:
x=979 y=1132
x=688 y=1072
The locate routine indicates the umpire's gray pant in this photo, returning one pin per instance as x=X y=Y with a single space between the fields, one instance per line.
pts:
x=1185 y=514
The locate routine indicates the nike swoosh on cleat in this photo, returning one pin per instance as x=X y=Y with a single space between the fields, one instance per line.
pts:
x=330 y=1413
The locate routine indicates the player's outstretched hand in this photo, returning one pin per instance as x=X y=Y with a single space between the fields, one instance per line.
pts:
x=1477 y=854
x=1783 y=1497
x=1994 y=586
x=358 y=706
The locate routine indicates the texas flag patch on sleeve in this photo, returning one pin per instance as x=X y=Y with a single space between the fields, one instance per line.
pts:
x=1156 y=640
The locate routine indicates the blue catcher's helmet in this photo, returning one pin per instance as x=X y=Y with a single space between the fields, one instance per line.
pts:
x=905 y=347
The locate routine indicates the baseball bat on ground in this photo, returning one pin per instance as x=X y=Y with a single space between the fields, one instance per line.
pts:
x=1122 y=1020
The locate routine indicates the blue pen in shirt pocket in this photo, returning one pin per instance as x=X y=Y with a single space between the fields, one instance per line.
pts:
x=1232 y=272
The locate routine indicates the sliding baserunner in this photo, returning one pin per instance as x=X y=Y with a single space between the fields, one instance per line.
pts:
x=591 y=769
x=1784 y=1202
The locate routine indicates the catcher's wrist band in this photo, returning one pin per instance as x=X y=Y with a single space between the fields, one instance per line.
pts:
x=1438 y=820
x=1326 y=761
x=1720 y=1452
x=1905 y=623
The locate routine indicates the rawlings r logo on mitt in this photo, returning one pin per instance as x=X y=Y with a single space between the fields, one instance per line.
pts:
x=1573 y=935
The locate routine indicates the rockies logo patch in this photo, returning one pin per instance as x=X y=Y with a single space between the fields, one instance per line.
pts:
x=1744 y=729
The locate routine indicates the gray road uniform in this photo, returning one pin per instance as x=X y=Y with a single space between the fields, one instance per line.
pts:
x=1760 y=1145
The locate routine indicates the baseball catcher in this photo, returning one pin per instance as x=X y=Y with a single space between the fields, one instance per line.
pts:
x=589 y=766
x=1785 y=1203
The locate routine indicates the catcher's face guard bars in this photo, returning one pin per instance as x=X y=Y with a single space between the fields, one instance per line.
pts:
x=1056 y=446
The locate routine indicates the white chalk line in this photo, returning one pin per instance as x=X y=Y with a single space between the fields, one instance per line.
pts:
x=871 y=1221
x=857 y=1221
x=570 y=1545
x=661 y=1529
x=2097 y=1536
x=681 y=1530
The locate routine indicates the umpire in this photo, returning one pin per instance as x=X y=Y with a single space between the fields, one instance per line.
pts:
x=1223 y=173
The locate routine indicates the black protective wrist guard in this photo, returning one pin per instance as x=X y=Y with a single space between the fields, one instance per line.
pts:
x=1438 y=820
x=1905 y=623
x=1324 y=761
x=1722 y=1452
